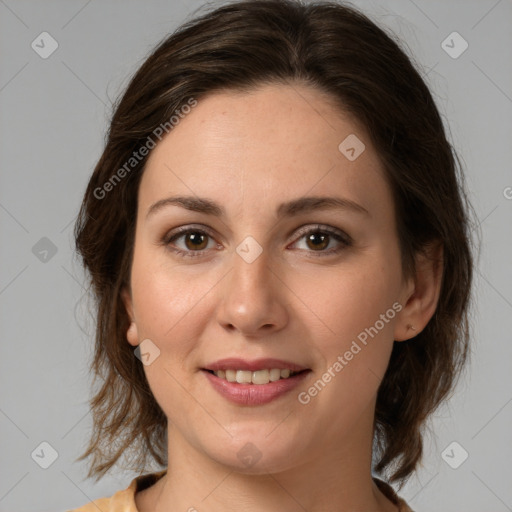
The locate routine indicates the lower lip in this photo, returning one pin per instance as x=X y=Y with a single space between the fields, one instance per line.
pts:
x=254 y=394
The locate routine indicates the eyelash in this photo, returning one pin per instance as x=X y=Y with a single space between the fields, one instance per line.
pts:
x=341 y=237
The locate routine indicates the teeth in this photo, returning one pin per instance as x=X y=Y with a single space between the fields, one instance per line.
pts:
x=243 y=377
x=275 y=374
x=258 y=377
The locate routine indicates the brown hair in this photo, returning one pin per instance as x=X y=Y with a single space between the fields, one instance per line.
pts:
x=339 y=51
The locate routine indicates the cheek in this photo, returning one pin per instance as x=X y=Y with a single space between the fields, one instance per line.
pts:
x=347 y=299
x=170 y=307
x=168 y=298
x=356 y=310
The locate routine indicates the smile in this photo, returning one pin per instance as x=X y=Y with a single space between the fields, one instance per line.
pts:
x=251 y=393
x=258 y=377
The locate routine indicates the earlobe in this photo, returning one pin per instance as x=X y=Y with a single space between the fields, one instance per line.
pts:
x=421 y=302
x=402 y=334
x=132 y=333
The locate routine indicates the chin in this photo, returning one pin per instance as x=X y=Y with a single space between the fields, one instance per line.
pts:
x=255 y=454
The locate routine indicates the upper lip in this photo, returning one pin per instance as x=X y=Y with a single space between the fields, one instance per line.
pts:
x=234 y=363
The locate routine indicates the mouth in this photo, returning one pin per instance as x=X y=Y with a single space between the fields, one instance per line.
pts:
x=254 y=382
x=254 y=388
x=258 y=372
x=258 y=377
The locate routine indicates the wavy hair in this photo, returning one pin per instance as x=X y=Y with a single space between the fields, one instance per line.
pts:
x=340 y=51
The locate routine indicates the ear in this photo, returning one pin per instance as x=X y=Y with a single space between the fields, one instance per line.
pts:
x=131 y=334
x=421 y=293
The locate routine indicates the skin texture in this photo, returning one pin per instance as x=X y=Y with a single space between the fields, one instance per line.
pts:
x=250 y=152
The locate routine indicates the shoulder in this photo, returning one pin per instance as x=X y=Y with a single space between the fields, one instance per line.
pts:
x=123 y=500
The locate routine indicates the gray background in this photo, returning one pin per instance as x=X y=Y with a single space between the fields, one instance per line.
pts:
x=54 y=113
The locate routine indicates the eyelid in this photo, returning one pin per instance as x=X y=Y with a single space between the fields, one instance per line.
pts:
x=305 y=228
x=323 y=228
x=342 y=237
x=176 y=233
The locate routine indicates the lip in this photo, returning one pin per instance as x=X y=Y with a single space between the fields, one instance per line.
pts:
x=254 y=394
x=234 y=363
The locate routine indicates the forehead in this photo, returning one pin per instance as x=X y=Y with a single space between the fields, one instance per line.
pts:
x=271 y=142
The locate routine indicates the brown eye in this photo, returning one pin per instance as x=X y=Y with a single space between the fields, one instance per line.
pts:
x=320 y=238
x=194 y=242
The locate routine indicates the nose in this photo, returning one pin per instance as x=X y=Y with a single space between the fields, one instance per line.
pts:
x=253 y=298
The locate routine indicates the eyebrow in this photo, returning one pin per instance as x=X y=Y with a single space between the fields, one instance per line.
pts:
x=288 y=209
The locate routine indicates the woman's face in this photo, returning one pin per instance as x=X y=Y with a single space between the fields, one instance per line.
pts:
x=264 y=273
